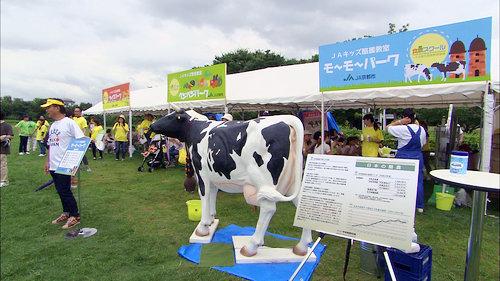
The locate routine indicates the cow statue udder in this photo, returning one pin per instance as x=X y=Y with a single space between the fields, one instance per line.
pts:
x=261 y=158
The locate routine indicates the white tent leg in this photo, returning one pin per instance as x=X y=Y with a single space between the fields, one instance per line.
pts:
x=479 y=198
x=104 y=120
x=130 y=146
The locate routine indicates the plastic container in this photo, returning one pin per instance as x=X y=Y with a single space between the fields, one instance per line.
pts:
x=368 y=259
x=417 y=266
x=444 y=201
x=459 y=162
x=439 y=188
x=194 y=210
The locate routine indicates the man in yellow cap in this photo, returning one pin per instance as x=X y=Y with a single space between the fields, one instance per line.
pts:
x=62 y=131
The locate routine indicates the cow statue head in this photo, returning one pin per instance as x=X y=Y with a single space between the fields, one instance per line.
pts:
x=174 y=124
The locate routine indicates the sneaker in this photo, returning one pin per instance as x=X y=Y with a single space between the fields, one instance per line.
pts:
x=21 y=153
x=62 y=218
x=123 y=159
x=2 y=184
x=171 y=165
x=420 y=210
x=94 y=158
x=88 y=169
x=73 y=181
x=100 y=157
x=27 y=152
x=117 y=159
x=72 y=221
x=41 y=154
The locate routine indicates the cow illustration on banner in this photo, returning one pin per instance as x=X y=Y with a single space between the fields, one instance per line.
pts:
x=459 y=52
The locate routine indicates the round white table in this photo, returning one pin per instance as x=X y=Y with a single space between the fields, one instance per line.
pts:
x=480 y=183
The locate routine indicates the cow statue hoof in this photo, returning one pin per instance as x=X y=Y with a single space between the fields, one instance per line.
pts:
x=247 y=253
x=300 y=250
x=202 y=230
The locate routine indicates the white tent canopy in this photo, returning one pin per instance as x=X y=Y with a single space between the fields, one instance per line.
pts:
x=149 y=99
x=297 y=87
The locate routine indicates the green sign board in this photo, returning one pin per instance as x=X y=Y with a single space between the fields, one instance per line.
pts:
x=198 y=84
x=385 y=165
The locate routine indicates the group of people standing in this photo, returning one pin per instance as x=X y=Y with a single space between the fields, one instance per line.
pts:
x=31 y=134
x=411 y=141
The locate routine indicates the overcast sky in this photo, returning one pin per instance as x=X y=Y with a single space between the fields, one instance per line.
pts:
x=74 y=49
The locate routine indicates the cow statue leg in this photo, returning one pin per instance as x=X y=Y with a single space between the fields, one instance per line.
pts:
x=306 y=238
x=301 y=248
x=206 y=210
x=213 y=202
x=267 y=210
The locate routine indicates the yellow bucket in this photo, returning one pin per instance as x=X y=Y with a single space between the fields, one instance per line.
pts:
x=444 y=201
x=194 y=210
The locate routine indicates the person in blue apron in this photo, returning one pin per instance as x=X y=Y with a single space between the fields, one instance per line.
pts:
x=411 y=138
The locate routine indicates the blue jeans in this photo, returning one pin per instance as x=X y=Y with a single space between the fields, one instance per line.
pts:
x=23 y=143
x=121 y=146
x=63 y=187
x=172 y=152
x=42 y=146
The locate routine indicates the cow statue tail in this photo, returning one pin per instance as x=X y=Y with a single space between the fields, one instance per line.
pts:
x=294 y=177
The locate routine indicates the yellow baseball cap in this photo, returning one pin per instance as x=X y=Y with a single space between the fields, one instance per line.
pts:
x=52 y=102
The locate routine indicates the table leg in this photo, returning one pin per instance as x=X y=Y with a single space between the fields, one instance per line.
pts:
x=443 y=190
x=475 y=236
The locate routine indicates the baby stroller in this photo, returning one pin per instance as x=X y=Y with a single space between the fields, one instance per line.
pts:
x=155 y=155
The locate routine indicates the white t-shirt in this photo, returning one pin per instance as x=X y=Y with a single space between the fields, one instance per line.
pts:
x=60 y=135
x=404 y=136
x=317 y=149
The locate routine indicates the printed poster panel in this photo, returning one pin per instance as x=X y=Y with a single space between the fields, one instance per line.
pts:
x=99 y=143
x=198 y=84
x=312 y=121
x=459 y=52
x=73 y=156
x=362 y=198
x=117 y=96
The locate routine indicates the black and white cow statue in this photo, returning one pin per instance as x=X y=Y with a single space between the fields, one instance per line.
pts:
x=261 y=158
x=454 y=67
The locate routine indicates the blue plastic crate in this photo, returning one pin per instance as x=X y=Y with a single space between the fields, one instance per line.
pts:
x=417 y=265
x=402 y=275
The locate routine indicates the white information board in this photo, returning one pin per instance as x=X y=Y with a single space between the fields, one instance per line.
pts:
x=367 y=199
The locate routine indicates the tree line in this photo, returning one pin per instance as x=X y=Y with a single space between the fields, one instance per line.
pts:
x=15 y=108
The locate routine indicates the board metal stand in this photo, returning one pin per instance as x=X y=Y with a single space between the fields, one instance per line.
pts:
x=70 y=165
x=321 y=235
x=85 y=232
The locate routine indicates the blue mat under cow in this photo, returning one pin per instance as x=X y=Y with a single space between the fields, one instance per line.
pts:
x=264 y=271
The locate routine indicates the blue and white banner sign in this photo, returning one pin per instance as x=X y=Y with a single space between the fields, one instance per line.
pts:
x=459 y=52
x=73 y=156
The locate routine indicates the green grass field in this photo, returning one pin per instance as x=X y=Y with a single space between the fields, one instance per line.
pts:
x=142 y=221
